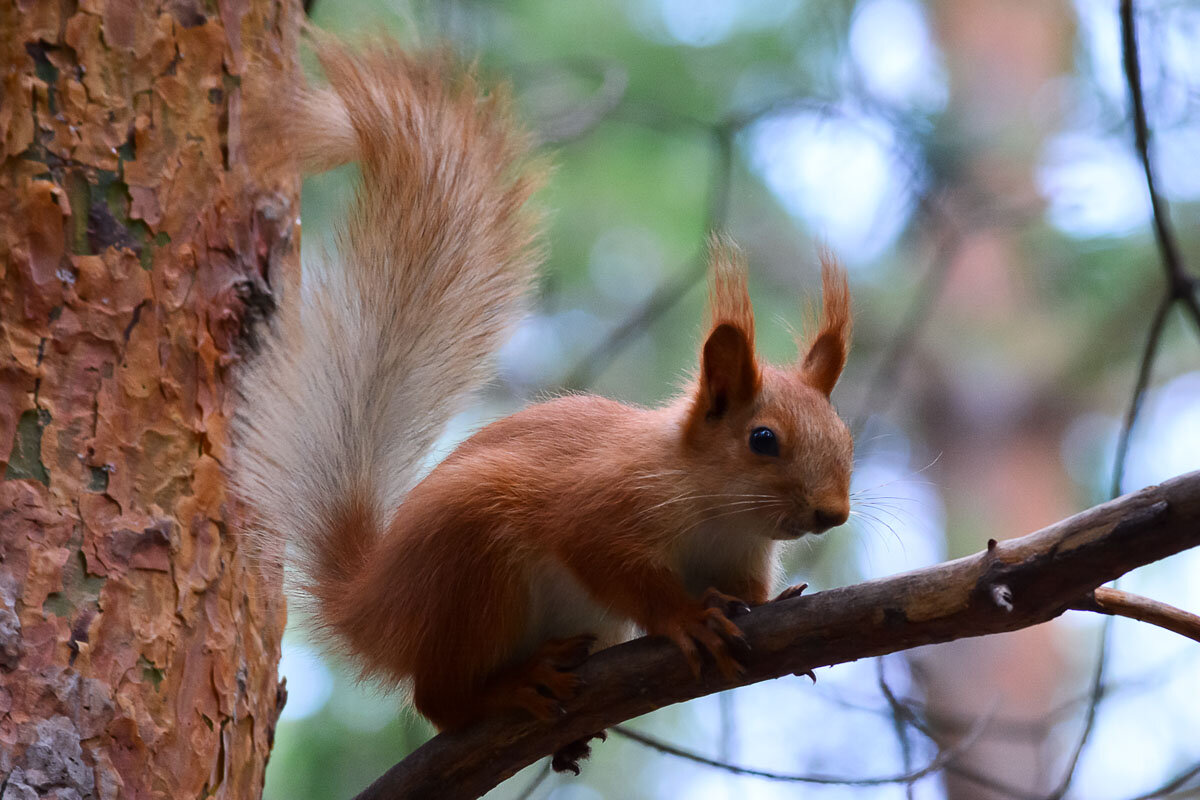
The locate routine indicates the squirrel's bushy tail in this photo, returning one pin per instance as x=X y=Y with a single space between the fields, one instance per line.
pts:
x=385 y=341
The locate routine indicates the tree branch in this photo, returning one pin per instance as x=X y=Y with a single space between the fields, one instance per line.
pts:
x=1126 y=604
x=1011 y=585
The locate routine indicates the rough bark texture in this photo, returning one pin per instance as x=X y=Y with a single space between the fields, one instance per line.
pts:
x=1011 y=585
x=138 y=645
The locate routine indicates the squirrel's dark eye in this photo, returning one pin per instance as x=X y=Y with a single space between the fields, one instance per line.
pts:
x=764 y=442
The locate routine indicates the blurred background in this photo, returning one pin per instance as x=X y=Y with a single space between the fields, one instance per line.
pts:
x=972 y=162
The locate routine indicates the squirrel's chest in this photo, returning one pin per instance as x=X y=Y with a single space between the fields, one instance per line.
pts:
x=725 y=551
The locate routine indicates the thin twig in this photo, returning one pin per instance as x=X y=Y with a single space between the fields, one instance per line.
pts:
x=919 y=718
x=925 y=721
x=1133 y=606
x=1025 y=730
x=903 y=341
x=671 y=292
x=900 y=719
x=537 y=781
x=909 y=777
x=1089 y=721
x=1145 y=367
x=578 y=121
x=901 y=711
x=1181 y=283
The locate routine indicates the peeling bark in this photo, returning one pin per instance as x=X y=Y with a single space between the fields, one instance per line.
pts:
x=138 y=643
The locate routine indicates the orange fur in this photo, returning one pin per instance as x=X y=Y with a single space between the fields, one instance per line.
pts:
x=566 y=523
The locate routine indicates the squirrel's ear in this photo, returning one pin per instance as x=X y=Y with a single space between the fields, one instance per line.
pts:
x=729 y=376
x=826 y=357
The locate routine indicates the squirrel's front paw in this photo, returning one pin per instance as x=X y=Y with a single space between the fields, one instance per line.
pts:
x=730 y=605
x=713 y=631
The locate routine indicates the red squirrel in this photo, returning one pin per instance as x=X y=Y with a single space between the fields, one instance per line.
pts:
x=566 y=525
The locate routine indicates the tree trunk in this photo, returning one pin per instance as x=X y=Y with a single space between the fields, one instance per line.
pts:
x=138 y=643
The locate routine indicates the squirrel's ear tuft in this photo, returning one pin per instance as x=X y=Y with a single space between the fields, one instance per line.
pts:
x=729 y=375
x=826 y=357
x=728 y=293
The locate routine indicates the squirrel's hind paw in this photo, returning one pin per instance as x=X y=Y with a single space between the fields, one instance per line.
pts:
x=567 y=758
x=546 y=679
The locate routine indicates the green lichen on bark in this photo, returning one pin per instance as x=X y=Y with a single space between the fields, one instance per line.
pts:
x=25 y=458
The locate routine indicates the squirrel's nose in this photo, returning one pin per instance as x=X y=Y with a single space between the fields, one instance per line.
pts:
x=826 y=518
